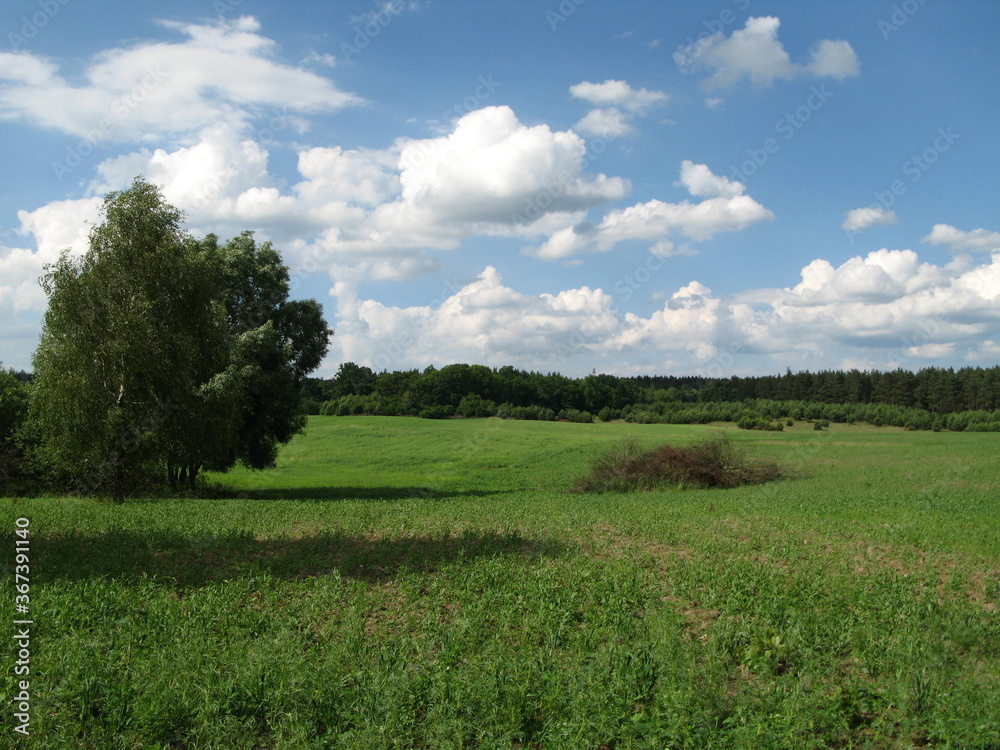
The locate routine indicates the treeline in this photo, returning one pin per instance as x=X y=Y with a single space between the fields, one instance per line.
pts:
x=933 y=398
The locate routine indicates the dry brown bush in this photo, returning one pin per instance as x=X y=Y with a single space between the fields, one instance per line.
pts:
x=716 y=462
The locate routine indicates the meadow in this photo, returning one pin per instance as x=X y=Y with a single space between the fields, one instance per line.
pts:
x=407 y=583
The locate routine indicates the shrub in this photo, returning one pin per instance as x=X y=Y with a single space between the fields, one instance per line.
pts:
x=716 y=462
x=474 y=405
x=750 y=422
x=641 y=416
x=607 y=414
x=540 y=413
x=345 y=406
x=309 y=405
x=575 y=415
x=509 y=411
x=437 y=411
x=984 y=426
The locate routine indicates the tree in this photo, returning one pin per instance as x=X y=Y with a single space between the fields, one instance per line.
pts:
x=353 y=379
x=161 y=355
x=128 y=329
x=273 y=343
x=13 y=412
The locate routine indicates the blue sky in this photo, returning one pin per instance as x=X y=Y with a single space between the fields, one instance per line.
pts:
x=730 y=187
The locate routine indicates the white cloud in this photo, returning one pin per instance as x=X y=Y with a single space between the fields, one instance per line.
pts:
x=960 y=241
x=728 y=210
x=491 y=168
x=365 y=177
x=223 y=72
x=700 y=182
x=320 y=58
x=605 y=123
x=484 y=322
x=617 y=104
x=755 y=53
x=861 y=218
x=618 y=94
x=884 y=310
x=382 y=210
x=834 y=58
x=930 y=351
x=882 y=275
x=59 y=226
x=988 y=351
x=20 y=269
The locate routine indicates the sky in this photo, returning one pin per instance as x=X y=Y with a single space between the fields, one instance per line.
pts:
x=736 y=187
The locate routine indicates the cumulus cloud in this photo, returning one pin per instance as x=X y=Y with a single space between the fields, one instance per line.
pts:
x=63 y=225
x=59 y=226
x=491 y=168
x=381 y=209
x=222 y=71
x=355 y=213
x=618 y=94
x=833 y=58
x=754 y=53
x=881 y=276
x=20 y=269
x=885 y=309
x=959 y=241
x=726 y=209
x=605 y=123
x=861 y=218
x=617 y=104
x=483 y=321
x=700 y=182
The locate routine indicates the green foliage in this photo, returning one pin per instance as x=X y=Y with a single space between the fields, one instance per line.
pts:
x=607 y=414
x=901 y=398
x=13 y=420
x=352 y=379
x=476 y=406
x=437 y=412
x=576 y=415
x=161 y=355
x=766 y=651
x=751 y=422
x=539 y=413
x=130 y=329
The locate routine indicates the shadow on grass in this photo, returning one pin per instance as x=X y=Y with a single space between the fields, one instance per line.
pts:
x=197 y=560
x=350 y=493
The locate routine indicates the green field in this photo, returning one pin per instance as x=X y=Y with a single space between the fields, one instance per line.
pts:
x=405 y=583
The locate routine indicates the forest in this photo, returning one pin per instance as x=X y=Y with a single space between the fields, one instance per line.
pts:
x=932 y=398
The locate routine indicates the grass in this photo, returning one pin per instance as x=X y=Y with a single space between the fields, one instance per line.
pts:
x=434 y=584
